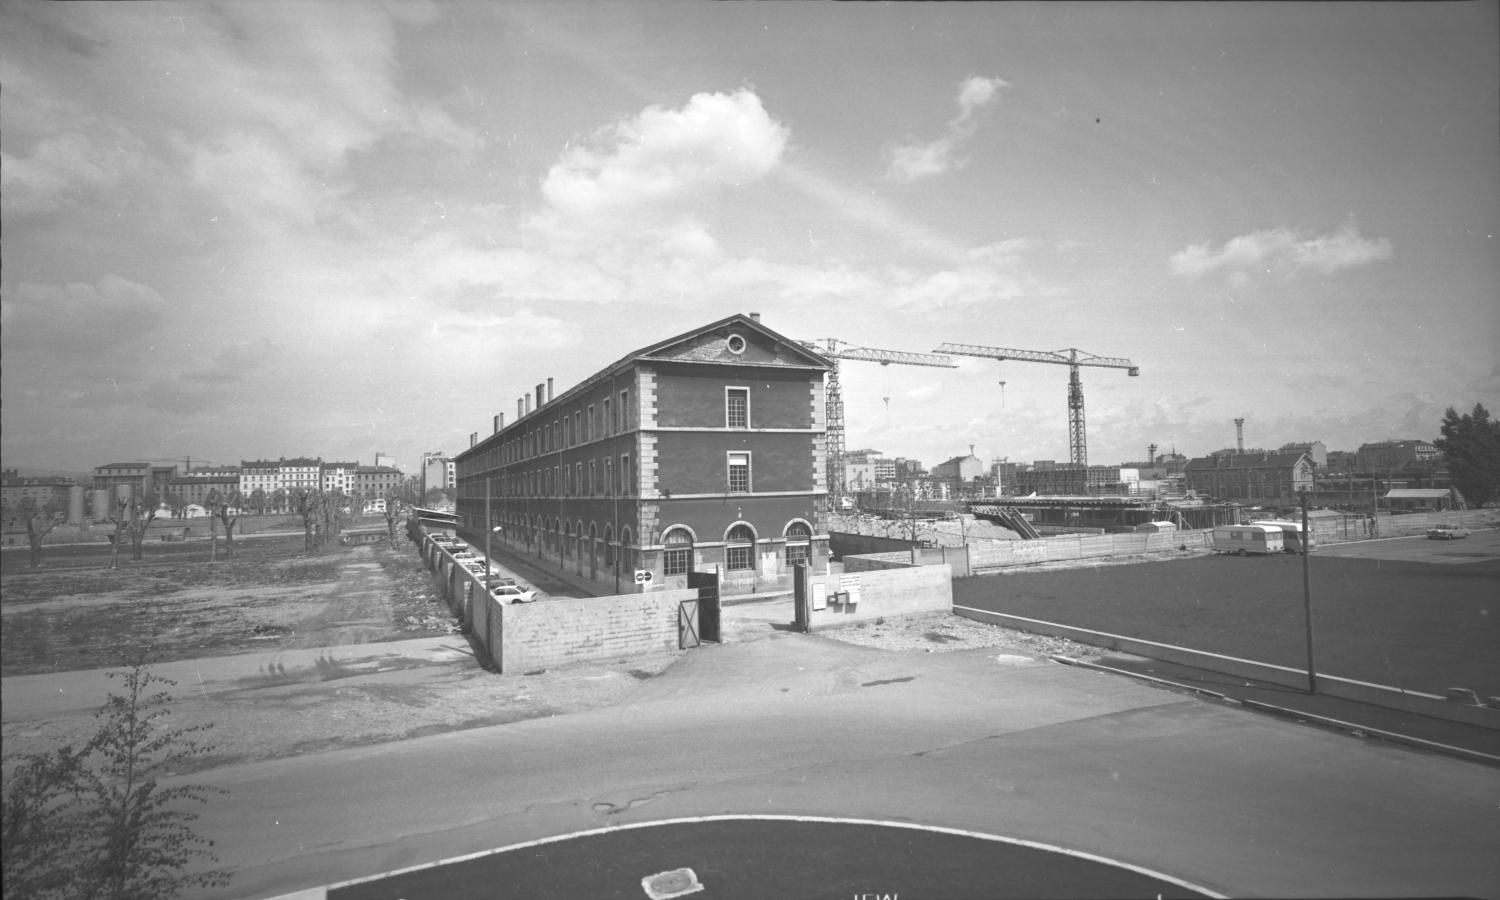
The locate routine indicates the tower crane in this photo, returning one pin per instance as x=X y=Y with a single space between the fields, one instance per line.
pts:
x=836 y=350
x=1073 y=358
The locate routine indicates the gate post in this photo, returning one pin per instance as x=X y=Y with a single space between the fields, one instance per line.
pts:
x=802 y=617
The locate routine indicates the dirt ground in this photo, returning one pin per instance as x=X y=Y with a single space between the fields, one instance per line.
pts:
x=285 y=654
x=271 y=595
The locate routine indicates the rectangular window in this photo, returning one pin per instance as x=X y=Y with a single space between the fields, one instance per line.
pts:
x=737 y=407
x=591 y=477
x=609 y=477
x=626 y=488
x=739 y=556
x=577 y=427
x=588 y=432
x=675 y=562
x=578 y=477
x=606 y=415
x=623 y=412
x=739 y=473
x=796 y=554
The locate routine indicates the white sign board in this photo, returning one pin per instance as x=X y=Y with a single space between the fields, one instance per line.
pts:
x=642 y=576
x=849 y=585
x=820 y=596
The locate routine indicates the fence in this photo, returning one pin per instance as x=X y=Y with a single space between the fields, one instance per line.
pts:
x=843 y=598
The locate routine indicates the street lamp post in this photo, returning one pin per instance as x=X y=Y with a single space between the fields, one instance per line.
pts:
x=489 y=531
x=1312 y=677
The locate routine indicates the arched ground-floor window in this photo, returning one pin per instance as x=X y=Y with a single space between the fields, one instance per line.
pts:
x=739 y=550
x=678 y=556
x=798 y=544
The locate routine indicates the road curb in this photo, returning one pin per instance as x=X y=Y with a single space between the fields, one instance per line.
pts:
x=1351 y=728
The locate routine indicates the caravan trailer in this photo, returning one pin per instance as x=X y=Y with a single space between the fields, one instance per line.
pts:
x=1246 y=539
x=1291 y=535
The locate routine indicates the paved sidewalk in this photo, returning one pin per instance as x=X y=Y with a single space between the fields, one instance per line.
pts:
x=1467 y=741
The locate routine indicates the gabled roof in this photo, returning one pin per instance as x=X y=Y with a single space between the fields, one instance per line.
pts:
x=1246 y=461
x=710 y=344
x=705 y=345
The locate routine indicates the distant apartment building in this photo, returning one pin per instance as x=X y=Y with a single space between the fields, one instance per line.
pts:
x=1394 y=456
x=959 y=468
x=377 y=481
x=1258 y=477
x=302 y=474
x=124 y=478
x=438 y=472
x=1315 y=450
x=15 y=489
x=1049 y=478
x=859 y=475
x=339 y=476
x=196 y=488
x=259 y=475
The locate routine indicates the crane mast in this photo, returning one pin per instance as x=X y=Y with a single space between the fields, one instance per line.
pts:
x=1073 y=358
x=836 y=350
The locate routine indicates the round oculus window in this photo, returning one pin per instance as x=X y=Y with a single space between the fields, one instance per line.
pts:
x=736 y=344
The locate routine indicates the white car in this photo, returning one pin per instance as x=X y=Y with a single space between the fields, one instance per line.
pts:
x=512 y=593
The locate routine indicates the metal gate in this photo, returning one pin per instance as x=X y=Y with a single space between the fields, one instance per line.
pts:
x=698 y=620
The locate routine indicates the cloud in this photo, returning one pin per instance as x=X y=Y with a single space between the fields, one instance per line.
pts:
x=1282 y=251
x=661 y=155
x=85 y=319
x=232 y=362
x=909 y=162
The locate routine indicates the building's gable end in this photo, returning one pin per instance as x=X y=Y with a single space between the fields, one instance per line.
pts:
x=737 y=340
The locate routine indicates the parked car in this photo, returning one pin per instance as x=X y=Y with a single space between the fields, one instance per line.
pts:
x=1446 y=534
x=512 y=593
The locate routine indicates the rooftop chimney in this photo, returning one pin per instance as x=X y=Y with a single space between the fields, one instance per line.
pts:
x=528 y=404
x=499 y=422
x=549 y=390
x=1239 y=435
x=520 y=408
x=541 y=394
x=755 y=317
x=473 y=438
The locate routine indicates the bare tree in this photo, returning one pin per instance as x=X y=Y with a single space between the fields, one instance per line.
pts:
x=132 y=517
x=333 y=514
x=306 y=504
x=258 y=500
x=211 y=503
x=229 y=514
x=41 y=518
x=392 y=506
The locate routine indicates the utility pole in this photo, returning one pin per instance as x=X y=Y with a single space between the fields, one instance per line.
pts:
x=1312 y=678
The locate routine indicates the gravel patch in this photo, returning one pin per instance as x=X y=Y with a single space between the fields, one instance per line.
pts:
x=946 y=633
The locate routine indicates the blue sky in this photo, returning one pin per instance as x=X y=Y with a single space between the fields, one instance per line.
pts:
x=242 y=230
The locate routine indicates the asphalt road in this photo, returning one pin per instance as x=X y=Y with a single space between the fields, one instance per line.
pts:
x=770 y=856
x=1480 y=546
x=799 y=725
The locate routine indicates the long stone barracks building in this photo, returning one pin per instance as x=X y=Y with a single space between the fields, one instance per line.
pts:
x=703 y=452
